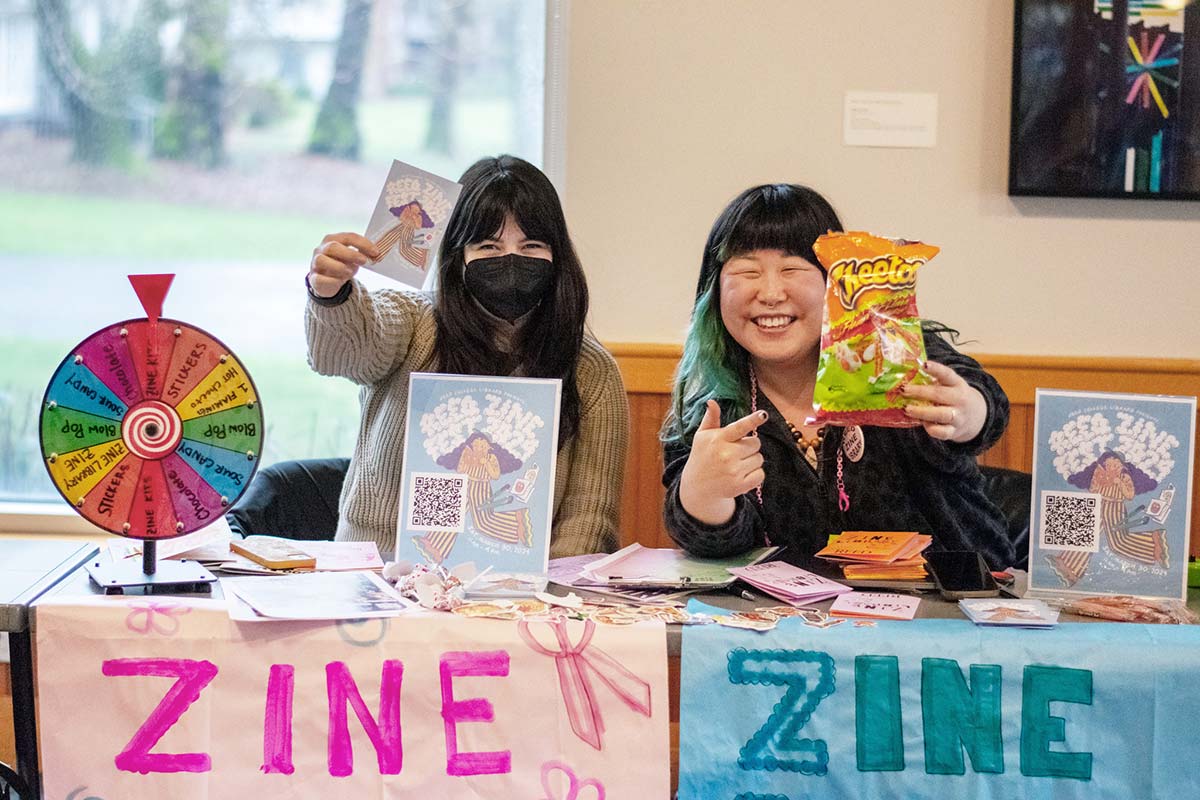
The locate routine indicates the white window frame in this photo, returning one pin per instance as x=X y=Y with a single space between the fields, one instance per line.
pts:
x=554 y=100
x=44 y=518
x=57 y=518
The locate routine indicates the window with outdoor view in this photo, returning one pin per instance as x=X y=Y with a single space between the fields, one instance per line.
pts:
x=219 y=140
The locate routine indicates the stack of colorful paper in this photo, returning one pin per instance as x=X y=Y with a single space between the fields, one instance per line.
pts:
x=792 y=585
x=665 y=568
x=879 y=555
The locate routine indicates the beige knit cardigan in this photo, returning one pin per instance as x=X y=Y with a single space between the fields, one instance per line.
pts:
x=376 y=339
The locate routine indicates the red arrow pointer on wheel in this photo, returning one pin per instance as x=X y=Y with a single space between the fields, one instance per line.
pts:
x=152 y=290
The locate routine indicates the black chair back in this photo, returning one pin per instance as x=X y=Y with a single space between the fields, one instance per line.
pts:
x=12 y=785
x=1012 y=491
x=294 y=499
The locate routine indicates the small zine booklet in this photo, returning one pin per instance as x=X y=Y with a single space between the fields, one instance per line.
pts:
x=274 y=552
x=875 y=547
x=1112 y=489
x=478 y=477
x=875 y=605
x=1025 y=613
x=568 y=571
x=789 y=583
x=409 y=221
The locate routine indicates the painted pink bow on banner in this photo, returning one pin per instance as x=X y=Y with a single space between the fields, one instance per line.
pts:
x=576 y=664
x=574 y=785
x=145 y=617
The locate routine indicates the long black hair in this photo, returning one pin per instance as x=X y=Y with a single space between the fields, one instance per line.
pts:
x=550 y=338
x=776 y=216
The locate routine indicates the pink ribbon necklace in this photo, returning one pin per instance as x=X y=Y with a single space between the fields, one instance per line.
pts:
x=843 y=497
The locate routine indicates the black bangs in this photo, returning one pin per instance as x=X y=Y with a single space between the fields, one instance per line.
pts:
x=777 y=217
x=499 y=193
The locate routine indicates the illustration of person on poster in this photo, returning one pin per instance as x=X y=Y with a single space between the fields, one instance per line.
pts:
x=1105 y=479
x=480 y=461
x=478 y=474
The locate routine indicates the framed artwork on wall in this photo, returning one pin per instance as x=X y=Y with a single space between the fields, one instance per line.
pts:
x=1106 y=99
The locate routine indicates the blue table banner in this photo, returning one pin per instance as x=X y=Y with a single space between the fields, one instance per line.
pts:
x=940 y=709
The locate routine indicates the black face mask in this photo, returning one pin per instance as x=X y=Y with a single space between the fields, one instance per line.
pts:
x=509 y=286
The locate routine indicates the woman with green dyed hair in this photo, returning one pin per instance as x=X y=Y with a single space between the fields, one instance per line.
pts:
x=743 y=467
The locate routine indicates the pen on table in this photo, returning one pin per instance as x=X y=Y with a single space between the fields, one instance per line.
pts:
x=745 y=594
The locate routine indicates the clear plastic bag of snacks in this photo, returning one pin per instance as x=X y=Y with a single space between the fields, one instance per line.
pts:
x=1127 y=608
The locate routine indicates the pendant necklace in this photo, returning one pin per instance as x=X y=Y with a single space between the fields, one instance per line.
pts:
x=808 y=445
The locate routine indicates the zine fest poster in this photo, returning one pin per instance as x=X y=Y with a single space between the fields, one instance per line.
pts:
x=408 y=223
x=478 y=478
x=1112 y=488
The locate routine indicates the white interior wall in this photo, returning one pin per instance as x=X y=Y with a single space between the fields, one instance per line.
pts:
x=674 y=106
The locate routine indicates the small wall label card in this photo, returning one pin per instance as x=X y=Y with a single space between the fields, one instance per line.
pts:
x=890 y=119
x=1112 y=486
x=408 y=222
x=478 y=478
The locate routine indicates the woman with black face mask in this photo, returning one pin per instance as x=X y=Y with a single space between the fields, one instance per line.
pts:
x=511 y=300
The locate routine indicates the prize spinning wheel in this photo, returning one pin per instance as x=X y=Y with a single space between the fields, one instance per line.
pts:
x=151 y=428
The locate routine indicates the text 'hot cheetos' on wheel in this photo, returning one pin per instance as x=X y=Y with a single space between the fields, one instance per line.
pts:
x=151 y=428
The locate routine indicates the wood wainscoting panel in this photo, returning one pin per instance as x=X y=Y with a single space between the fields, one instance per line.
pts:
x=648 y=370
x=642 y=500
x=8 y=743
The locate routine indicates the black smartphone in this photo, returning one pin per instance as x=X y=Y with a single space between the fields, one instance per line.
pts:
x=961 y=573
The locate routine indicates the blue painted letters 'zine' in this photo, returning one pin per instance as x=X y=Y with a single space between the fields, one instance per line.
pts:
x=939 y=709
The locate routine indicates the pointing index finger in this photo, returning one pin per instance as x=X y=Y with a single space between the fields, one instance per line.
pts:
x=740 y=429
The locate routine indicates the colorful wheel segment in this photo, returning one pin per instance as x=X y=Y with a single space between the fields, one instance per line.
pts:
x=151 y=429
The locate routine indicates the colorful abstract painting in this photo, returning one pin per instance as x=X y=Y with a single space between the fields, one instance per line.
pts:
x=1106 y=99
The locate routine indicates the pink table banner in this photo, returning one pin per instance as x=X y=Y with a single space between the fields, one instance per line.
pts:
x=155 y=697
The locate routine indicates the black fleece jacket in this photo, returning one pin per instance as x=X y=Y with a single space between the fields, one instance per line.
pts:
x=905 y=480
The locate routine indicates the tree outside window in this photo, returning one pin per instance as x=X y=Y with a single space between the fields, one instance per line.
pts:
x=219 y=140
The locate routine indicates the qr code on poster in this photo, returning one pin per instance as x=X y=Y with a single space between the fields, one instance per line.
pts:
x=1070 y=521
x=436 y=502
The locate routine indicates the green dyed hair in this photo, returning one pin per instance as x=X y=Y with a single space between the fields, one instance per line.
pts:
x=779 y=216
x=713 y=367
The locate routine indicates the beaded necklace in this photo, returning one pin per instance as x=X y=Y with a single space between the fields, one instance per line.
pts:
x=808 y=444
